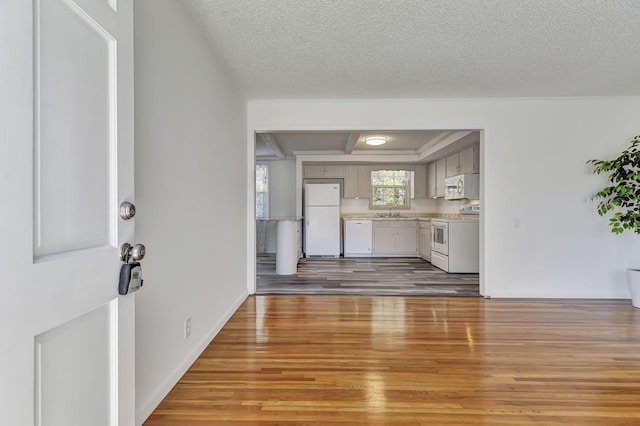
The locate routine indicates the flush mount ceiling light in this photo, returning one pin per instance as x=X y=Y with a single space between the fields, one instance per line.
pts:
x=375 y=140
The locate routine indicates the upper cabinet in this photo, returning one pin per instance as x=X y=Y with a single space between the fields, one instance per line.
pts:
x=465 y=161
x=420 y=181
x=436 y=173
x=357 y=181
x=324 y=171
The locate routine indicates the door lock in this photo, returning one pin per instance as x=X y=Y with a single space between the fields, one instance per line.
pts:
x=128 y=252
x=127 y=210
x=131 y=271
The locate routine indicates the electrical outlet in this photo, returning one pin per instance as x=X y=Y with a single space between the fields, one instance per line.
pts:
x=187 y=327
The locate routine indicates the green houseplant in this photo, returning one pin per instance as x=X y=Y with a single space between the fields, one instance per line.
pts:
x=621 y=198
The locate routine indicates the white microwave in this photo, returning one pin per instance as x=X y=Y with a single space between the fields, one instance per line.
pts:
x=462 y=186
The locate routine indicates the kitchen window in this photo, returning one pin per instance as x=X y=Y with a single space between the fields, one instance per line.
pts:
x=390 y=189
x=262 y=191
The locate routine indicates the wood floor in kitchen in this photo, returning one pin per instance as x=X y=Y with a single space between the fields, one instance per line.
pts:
x=366 y=276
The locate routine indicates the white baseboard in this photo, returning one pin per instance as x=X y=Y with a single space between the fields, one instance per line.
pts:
x=145 y=408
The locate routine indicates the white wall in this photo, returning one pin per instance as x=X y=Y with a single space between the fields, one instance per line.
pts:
x=190 y=193
x=533 y=168
x=282 y=195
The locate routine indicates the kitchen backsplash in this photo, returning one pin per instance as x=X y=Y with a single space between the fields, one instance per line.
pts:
x=419 y=207
x=377 y=215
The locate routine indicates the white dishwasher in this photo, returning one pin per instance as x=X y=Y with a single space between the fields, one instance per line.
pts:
x=357 y=237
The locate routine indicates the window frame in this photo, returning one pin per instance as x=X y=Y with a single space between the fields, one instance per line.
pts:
x=265 y=192
x=407 y=189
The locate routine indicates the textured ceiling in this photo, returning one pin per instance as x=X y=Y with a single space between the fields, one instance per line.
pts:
x=426 y=48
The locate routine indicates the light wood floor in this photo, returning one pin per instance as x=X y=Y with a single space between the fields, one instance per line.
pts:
x=319 y=360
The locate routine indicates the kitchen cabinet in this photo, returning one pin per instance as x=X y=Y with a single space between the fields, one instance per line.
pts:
x=436 y=173
x=357 y=238
x=323 y=171
x=465 y=161
x=299 y=239
x=424 y=239
x=357 y=182
x=420 y=181
x=394 y=237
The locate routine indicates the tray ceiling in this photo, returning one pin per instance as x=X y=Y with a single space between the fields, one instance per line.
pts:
x=437 y=142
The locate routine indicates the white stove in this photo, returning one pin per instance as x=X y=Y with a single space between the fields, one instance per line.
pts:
x=455 y=244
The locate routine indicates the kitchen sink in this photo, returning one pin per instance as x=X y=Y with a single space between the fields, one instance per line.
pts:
x=392 y=216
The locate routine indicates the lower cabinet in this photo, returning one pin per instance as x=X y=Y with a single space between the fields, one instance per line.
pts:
x=424 y=239
x=299 y=239
x=395 y=238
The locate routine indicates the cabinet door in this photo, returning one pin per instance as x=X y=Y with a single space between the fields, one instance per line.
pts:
x=431 y=180
x=421 y=236
x=314 y=171
x=453 y=165
x=420 y=181
x=299 y=239
x=334 y=171
x=427 y=243
x=364 y=182
x=440 y=176
x=467 y=160
x=406 y=240
x=383 y=239
x=351 y=177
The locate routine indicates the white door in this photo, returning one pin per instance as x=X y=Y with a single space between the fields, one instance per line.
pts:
x=67 y=337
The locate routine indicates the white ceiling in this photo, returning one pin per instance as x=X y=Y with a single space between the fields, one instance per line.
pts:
x=424 y=49
x=336 y=49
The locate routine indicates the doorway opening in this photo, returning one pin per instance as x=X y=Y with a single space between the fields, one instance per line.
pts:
x=289 y=156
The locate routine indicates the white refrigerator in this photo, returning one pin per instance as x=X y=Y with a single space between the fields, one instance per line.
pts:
x=322 y=219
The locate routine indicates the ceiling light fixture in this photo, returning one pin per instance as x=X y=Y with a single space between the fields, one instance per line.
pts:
x=375 y=140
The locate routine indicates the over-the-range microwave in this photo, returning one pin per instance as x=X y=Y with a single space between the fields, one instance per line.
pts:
x=462 y=186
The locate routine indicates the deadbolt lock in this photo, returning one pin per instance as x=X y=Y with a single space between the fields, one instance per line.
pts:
x=127 y=210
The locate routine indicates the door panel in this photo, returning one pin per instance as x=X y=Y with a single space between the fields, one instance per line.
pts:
x=61 y=363
x=383 y=240
x=406 y=240
x=67 y=353
x=75 y=135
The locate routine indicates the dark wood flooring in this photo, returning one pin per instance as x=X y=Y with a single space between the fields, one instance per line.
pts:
x=366 y=276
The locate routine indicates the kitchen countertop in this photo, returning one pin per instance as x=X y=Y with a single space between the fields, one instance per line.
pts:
x=281 y=218
x=409 y=216
x=460 y=219
x=381 y=218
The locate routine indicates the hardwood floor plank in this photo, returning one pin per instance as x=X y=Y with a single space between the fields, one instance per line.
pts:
x=353 y=360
